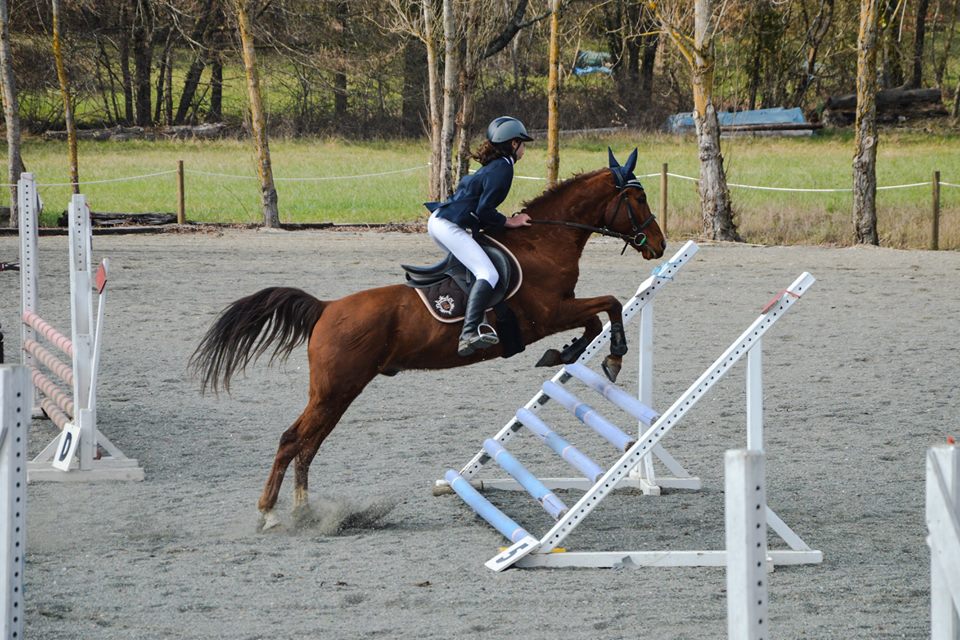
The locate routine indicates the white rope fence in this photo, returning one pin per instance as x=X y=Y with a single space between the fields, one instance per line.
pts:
x=357 y=176
x=936 y=184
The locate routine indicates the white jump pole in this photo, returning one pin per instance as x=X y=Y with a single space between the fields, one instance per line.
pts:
x=16 y=401
x=746 y=532
x=943 y=523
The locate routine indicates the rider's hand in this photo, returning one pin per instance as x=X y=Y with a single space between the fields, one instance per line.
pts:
x=518 y=220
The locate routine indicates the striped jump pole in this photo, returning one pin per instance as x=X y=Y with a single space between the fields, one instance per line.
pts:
x=483 y=507
x=590 y=469
x=613 y=393
x=588 y=416
x=547 y=499
x=74 y=412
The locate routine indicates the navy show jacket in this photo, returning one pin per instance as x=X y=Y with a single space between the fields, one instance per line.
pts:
x=474 y=204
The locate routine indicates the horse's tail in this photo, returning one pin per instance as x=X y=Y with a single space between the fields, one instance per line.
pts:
x=247 y=327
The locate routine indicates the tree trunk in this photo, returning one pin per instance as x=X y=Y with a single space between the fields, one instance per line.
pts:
x=889 y=37
x=916 y=76
x=100 y=66
x=168 y=87
x=258 y=121
x=414 y=77
x=650 y=43
x=215 y=114
x=124 y=53
x=448 y=128
x=200 y=37
x=163 y=68
x=865 y=159
x=111 y=90
x=468 y=80
x=433 y=79
x=11 y=112
x=940 y=68
x=715 y=206
x=553 y=101
x=71 y=126
x=340 y=76
x=817 y=32
x=142 y=60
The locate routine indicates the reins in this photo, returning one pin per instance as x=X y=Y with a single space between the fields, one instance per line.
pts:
x=637 y=237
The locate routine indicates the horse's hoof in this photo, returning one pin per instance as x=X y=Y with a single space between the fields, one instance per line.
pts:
x=550 y=358
x=269 y=520
x=611 y=367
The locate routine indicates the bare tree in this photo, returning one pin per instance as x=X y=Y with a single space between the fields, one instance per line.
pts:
x=715 y=206
x=143 y=31
x=11 y=112
x=199 y=39
x=553 y=96
x=258 y=120
x=865 y=158
x=815 y=33
x=67 y=100
x=451 y=39
x=920 y=27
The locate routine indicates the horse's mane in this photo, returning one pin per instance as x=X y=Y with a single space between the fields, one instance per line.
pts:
x=558 y=190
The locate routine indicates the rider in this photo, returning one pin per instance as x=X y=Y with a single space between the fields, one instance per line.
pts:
x=473 y=206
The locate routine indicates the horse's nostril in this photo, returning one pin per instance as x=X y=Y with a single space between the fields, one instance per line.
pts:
x=664 y=245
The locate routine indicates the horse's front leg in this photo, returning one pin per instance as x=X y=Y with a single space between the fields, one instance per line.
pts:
x=582 y=312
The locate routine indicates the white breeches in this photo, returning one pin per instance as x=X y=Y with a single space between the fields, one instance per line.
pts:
x=461 y=244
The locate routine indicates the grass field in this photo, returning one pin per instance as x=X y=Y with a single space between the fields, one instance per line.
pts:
x=316 y=181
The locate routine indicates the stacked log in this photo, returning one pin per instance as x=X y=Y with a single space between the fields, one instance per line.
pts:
x=207 y=131
x=893 y=105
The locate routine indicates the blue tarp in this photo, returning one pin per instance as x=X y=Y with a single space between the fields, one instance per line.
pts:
x=680 y=122
x=592 y=62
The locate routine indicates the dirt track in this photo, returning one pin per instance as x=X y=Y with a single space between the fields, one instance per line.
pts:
x=860 y=379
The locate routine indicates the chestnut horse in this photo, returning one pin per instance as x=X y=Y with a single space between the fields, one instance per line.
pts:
x=388 y=329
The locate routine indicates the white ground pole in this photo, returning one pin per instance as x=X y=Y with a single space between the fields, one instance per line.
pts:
x=745 y=507
x=640 y=305
x=16 y=392
x=943 y=523
x=97 y=458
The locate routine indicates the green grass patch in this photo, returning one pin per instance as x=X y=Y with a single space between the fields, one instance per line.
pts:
x=316 y=181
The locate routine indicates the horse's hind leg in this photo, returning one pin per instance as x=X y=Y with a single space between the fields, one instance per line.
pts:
x=325 y=419
x=300 y=441
x=288 y=448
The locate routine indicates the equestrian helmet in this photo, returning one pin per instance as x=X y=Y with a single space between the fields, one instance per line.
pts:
x=506 y=128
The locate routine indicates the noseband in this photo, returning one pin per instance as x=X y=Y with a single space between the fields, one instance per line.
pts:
x=636 y=237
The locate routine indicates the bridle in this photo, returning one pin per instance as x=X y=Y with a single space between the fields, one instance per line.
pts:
x=636 y=237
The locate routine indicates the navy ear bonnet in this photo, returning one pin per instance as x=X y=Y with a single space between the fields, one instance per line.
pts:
x=623 y=176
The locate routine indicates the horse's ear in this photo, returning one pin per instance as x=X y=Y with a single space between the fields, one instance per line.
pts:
x=613 y=161
x=631 y=163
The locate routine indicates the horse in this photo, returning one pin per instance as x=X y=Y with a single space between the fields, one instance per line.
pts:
x=386 y=330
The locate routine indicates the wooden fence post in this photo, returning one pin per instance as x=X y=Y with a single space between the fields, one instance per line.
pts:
x=935 y=231
x=663 y=198
x=181 y=210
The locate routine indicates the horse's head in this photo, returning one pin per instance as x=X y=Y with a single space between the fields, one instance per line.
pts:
x=628 y=214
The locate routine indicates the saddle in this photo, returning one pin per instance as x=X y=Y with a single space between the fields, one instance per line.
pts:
x=444 y=286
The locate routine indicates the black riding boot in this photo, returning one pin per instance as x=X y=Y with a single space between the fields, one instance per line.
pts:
x=476 y=333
